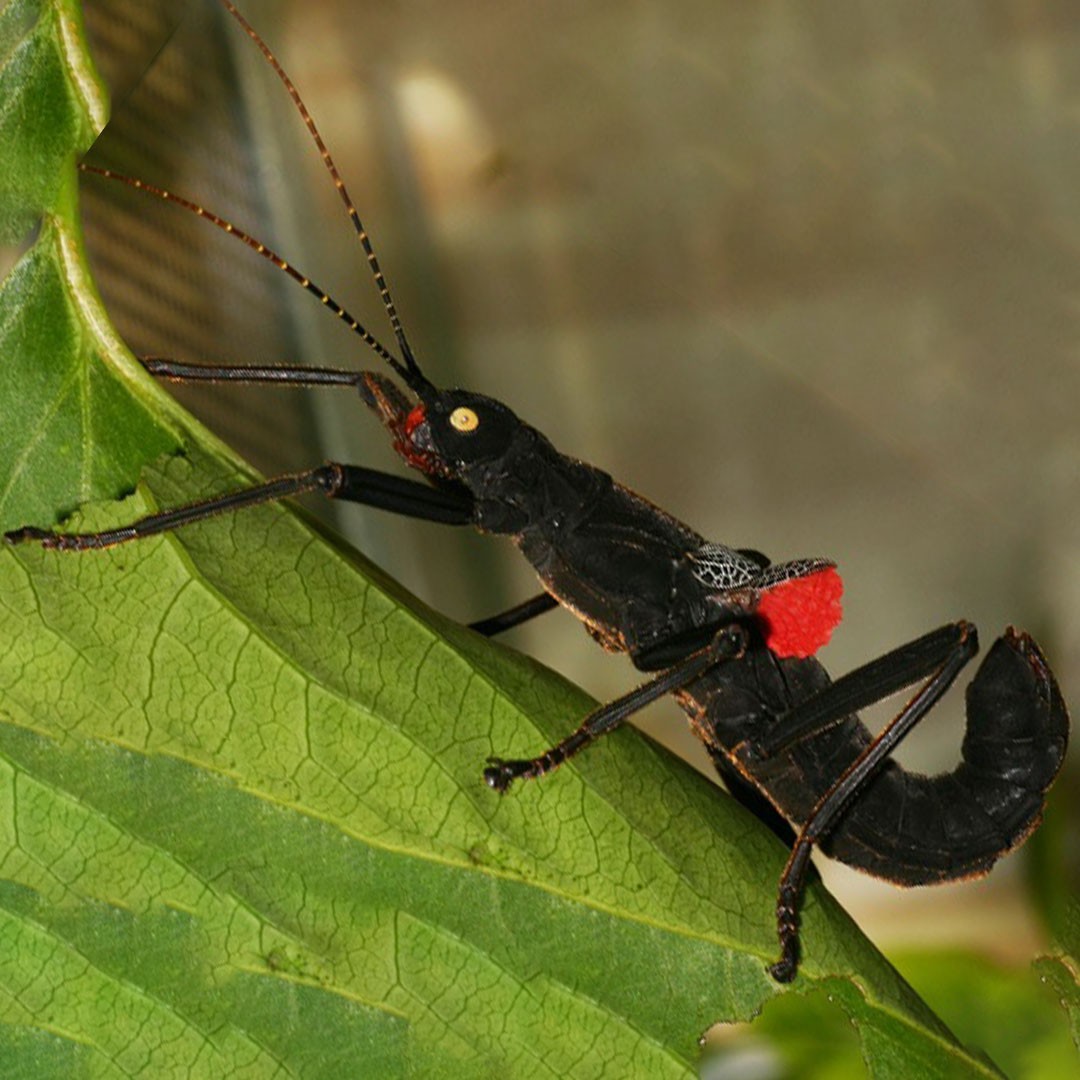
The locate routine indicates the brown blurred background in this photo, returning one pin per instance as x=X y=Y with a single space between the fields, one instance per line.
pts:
x=807 y=275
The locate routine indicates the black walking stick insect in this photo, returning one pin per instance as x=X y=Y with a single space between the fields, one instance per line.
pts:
x=730 y=634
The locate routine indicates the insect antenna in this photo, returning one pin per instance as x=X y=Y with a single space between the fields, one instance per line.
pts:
x=259 y=248
x=412 y=375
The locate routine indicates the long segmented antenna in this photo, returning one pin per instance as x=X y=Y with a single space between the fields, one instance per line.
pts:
x=331 y=168
x=259 y=248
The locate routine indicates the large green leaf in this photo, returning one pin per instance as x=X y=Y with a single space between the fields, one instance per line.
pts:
x=242 y=825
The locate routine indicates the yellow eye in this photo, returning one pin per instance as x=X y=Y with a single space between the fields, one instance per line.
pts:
x=463 y=419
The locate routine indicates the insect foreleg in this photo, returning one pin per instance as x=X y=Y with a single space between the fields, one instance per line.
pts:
x=729 y=643
x=449 y=505
x=279 y=488
x=178 y=371
x=353 y=483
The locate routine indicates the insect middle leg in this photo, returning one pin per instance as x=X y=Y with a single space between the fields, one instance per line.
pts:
x=728 y=643
x=515 y=616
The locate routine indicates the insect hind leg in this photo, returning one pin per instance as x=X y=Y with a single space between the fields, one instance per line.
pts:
x=914 y=829
x=854 y=778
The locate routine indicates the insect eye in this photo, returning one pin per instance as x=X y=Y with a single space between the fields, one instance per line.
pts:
x=463 y=419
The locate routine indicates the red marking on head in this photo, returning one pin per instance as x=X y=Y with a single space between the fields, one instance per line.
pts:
x=415 y=418
x=405 y=443
x=799 y=616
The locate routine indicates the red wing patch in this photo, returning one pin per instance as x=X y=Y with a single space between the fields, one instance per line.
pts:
x=798 y=615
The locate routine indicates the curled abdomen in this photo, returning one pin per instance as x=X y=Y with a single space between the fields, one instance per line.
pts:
x=902 y=826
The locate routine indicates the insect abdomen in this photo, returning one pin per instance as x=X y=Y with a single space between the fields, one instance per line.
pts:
x=904 y=826
x=916 y=830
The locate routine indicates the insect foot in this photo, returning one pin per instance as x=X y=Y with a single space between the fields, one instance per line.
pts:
x=29 y=535
x=500 y=774
x=787 y=921
x=23 y=535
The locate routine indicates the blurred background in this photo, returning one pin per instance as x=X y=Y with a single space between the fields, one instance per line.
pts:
x=806 y=275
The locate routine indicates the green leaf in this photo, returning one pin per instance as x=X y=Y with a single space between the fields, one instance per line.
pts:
x=243 y=830
x=50 y=103
x=1053 y=874
x=79 y=418
x=234 y=734
x=1061 y=971
x=1008 y=1010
